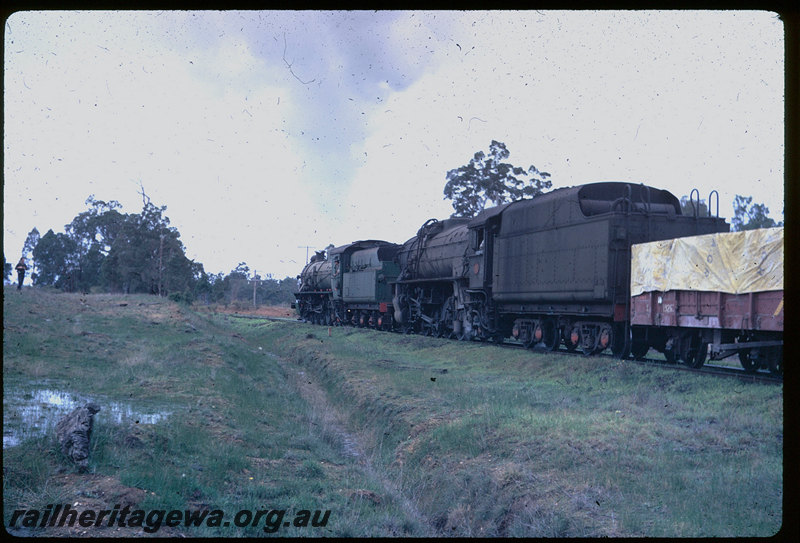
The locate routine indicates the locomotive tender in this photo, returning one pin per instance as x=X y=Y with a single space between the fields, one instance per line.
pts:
x=549 y=270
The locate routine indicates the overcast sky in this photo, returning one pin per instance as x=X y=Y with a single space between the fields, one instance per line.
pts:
x=265 y=132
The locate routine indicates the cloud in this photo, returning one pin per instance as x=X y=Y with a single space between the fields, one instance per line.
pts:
x=267 y=131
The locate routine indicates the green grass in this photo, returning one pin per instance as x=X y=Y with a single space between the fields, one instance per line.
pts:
x=508 y=442
x=238 y=436
x=432 y=436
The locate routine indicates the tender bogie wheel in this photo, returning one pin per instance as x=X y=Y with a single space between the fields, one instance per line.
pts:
x=588 y=342
x=572 y=338
x=604 y=339
x=552 y=336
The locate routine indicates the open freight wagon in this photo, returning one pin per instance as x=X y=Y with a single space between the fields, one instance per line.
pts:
x=710 y=296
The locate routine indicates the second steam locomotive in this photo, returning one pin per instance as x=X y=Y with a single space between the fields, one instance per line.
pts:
x=549 y=271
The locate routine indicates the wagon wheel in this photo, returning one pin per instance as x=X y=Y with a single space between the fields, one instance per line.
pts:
x=696 y=356
x=639 y=349
x=750 y=360
x=776 y=361
x=639 y=344
x=671 y=350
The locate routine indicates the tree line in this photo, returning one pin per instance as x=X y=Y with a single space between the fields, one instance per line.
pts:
x=106 y=250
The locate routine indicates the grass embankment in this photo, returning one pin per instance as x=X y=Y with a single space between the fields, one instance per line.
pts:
x=411 y=436
x=491 y=441
x=236 y=436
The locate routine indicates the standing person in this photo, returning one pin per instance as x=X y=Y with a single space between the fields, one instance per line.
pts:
x=21 y=267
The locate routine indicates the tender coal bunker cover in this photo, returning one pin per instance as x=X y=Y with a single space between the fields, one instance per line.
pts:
x=598 y=198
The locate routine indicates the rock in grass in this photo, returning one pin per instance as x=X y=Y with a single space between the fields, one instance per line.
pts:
x=74 y=432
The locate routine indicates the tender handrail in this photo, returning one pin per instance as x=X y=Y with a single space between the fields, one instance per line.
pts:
x=695 y=208
x=710 y=194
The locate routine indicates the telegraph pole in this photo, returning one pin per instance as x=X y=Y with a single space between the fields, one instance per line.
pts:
x=306 y=247
x=255 y=283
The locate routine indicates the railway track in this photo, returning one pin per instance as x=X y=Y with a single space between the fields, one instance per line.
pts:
x=761 y=376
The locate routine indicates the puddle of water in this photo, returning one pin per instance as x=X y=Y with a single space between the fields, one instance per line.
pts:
x=35 y=413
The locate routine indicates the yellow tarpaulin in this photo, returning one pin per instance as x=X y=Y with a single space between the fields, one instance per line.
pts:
x=732 y=262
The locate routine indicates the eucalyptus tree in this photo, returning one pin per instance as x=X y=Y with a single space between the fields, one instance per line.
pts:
x=487 y=179
x=749 y=216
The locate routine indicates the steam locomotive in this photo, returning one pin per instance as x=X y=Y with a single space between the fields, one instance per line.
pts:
x=549 y=271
